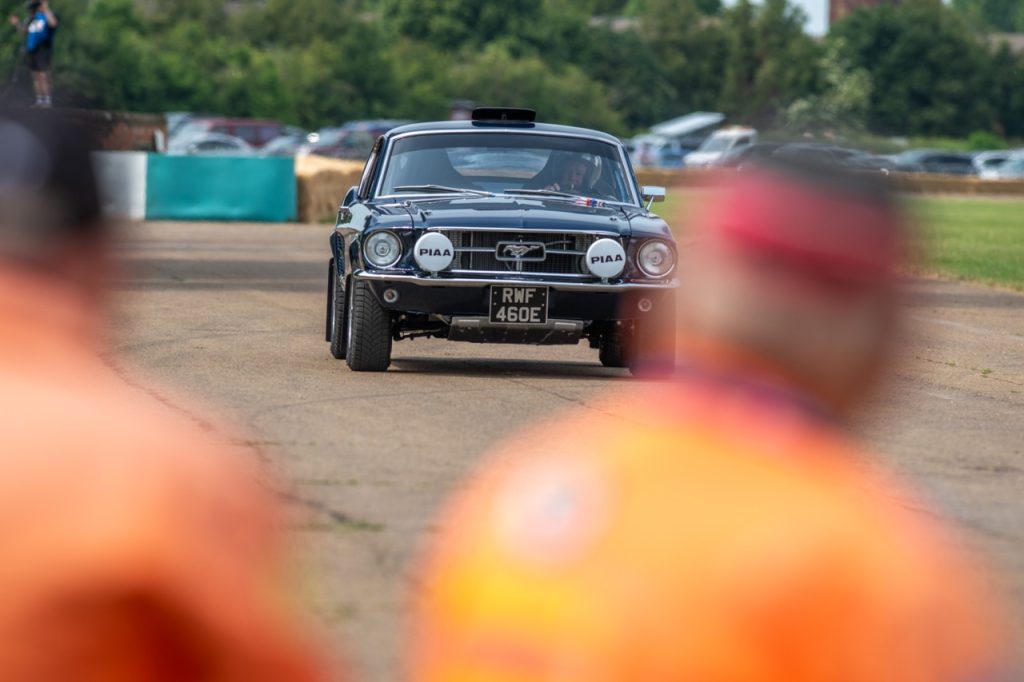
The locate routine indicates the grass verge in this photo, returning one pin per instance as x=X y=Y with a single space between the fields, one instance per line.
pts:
x=977 y=239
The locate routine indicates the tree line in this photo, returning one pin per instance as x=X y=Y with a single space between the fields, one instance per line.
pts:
x=914 y=68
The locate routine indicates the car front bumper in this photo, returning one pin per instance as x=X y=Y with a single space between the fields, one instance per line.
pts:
x=567 y=300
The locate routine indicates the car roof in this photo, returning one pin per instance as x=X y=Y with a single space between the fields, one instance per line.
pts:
x=690 y=123
x=217 y=137
x=496 y=127
x=918 y=153
x=733 y=131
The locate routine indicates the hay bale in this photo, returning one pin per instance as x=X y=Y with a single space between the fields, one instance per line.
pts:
x=922 y=183
x=322 y=184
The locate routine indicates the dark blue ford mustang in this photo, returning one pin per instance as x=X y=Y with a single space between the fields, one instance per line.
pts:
x=501 y=230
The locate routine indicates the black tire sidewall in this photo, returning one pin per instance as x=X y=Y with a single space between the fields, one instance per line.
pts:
x=645 y=351
x=613 y=352
x=369 y=346
x=339 y=303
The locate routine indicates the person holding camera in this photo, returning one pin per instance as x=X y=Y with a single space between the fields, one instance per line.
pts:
x=39 y=29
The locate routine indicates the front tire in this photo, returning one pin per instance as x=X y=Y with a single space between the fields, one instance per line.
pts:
x=613 y=352
x=650 y=352
x=337 y=306
x=368 y=331
x=646 y=347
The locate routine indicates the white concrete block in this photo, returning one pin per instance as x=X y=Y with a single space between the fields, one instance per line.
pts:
x=122 y=180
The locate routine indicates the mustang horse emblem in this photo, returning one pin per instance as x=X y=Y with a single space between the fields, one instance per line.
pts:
x=520 y=251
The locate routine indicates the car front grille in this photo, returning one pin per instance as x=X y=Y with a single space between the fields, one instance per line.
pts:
x=476 y=252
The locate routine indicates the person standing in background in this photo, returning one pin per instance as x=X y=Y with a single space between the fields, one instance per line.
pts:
x=39 y=29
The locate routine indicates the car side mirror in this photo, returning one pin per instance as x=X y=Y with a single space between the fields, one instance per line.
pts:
x=350 y=196
x=652 y=195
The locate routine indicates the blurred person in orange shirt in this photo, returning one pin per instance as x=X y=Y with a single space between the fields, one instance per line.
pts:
x=721 y=527
x=136 y=544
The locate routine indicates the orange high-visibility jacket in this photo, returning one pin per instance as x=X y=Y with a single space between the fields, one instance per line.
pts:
x=705 y=532
x=133 y=545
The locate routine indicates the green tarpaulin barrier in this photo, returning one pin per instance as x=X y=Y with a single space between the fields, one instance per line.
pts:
x=220 y=188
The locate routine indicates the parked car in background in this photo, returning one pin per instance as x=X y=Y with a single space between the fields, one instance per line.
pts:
x=690 y=131
x=1011 y=169
x=350 y=141
x=721 y=143
x=934 y=161
x=988 y=161
x=176 y=120
x=255 y=132
x=501 y=230
x=844 y=156
x=211 y=144
x=740 y=157
x=285 y=145
x=868 y=161
x=654 y=151
x=668 y=142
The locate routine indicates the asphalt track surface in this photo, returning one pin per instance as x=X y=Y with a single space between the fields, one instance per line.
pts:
x=231 y=315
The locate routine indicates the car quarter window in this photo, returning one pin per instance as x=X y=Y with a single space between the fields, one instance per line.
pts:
x=370 y=169
x=500 y=162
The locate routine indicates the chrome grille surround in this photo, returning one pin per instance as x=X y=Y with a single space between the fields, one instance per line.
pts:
x=564 y=251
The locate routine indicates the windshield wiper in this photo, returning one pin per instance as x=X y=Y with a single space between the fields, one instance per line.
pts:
x=438 y=189
x=543 y=193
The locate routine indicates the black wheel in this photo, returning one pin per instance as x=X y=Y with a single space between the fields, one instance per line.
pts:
x=650 y=351
x=368 y=331
x=613 y=351
x=337 y=306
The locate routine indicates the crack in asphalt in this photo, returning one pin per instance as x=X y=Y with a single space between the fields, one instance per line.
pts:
x=336 y=516
x=987 y=374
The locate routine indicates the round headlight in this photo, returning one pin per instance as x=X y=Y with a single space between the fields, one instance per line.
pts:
x=382 y=249
x=656 y=259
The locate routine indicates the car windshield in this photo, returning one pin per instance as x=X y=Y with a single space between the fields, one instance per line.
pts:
x=504 y=162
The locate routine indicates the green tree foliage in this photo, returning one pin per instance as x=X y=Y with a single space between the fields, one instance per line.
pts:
x=915 y=67
x=1008 y=92
x=563 y=94
x=930 y=74
x=998 y=15
x=454 y=23
x=635 y=79
x=691 y=49
x=769 y=60
x=295 y=23
x=843 y=104
x=641 y=7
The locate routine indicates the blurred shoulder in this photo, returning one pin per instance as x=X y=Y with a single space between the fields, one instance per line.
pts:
x=100 y=434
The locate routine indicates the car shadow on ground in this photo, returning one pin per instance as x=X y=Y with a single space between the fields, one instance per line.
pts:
x=496 y=367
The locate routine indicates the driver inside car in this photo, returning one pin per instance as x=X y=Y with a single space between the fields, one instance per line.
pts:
x=573 y=176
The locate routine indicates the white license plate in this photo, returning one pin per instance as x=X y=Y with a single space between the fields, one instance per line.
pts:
x=519 y=305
